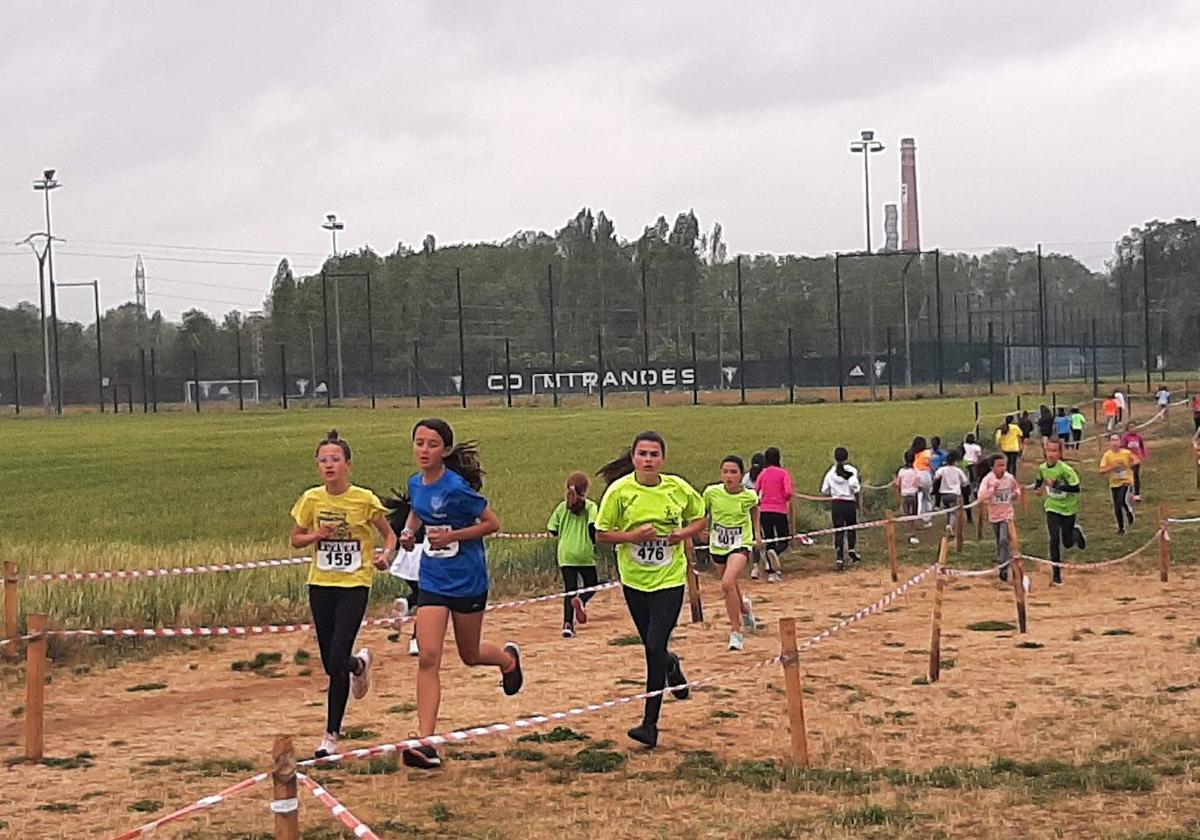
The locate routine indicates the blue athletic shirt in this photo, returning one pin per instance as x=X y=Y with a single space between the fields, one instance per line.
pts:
x=460 y=569
x=1062 y=426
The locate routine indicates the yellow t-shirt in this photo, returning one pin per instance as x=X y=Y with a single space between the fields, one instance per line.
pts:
x=1009 y=439
x=1123 y=462
x=346 y=558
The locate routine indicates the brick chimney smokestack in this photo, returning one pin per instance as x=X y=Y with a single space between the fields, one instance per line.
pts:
x=908 y=194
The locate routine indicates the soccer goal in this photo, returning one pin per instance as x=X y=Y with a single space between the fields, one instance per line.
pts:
x=220 y=390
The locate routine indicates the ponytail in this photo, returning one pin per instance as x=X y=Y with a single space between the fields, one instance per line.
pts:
x=462 y=458
x=840 y=456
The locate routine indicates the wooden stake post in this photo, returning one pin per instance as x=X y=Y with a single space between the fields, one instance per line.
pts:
x=980 y=516
x=893 y=560
x=935 y=625
x=11 y=623
x=1164 y=545
x=35 y=689
x=285 y=804
x=1017 y=568
x=794 y=691
x=960 y=524
x=693 y=584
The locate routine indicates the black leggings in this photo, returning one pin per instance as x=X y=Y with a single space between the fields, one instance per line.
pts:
x=1121 y=508
x=655 y=615
x=1061 y=527
x=572 y=575
x=1137 y=479
x=1012 y=461
x=844 y=513
x=775 y=527
x=338 y=612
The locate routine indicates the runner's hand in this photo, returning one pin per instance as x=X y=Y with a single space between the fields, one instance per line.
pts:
x=440 y=539
x=407 y=540
x=325 y=530
x=644 y=534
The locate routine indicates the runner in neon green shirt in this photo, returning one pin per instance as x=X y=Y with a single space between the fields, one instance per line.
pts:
x=574 y=524
x=732 y=525
x=649 y=516
x=1058 y=482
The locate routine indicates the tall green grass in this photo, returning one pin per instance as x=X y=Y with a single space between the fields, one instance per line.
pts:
x=94 y=492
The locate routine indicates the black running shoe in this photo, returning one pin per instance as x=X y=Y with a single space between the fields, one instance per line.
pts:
x=855 y=557
x=1080 y=539
x=645 y=734
x=839 y=565
x=423 y=757
x=1004 y=573
x=514 y=679
x=675 y=677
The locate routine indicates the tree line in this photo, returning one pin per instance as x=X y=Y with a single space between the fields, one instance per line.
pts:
x=673 y=281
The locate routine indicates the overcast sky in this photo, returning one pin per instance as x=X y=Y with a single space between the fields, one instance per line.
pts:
x=233 y=125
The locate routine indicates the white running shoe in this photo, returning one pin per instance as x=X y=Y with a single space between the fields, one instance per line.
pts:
x=748 y=619
x=914 y=541
x=400 y=609
x=413 y=649
x=360 y=683
x=775 y=577
x=736 y=642
x=754 y=573
x=329 y=745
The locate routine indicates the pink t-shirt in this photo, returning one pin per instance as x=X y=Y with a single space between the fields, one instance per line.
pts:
x=774 y=488
x=1136 y=444
x=910 y=481
x=999 y=493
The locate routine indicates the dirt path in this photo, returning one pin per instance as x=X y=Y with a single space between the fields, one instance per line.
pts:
x=1114 y=674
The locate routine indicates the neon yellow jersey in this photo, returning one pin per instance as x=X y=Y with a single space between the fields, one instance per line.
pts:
x=346 y=557
x=1009 y=438
x=575 y=546
x=670 y=504
x=731 y=528
x=1121 y=462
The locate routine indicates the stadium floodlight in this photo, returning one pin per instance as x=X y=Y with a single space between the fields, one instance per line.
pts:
x=45 y=186
x=333 y=226
x=866 y=146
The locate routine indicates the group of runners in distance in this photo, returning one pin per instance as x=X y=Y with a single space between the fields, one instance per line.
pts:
x=432 y=536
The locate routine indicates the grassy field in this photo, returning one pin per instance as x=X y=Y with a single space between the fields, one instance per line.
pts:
x=1079 y=729
x=136 y=491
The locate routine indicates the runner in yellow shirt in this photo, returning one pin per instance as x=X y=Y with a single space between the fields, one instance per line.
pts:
x=733 y=527
x=1118 y=464
x=1008 y=438
x=648 y=516
x=339 y=521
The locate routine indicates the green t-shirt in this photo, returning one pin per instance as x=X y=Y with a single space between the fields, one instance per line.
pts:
x=575 y=546
x=1078 y=421
x=1059 y=501
x=670 y=504
x=731 y=527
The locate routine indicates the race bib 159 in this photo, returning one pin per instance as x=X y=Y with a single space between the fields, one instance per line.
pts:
x=339 y=556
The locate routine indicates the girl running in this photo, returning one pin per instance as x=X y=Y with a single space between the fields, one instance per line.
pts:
x=1000 y=490
x=842 y=485
x=648 y=516
x=1045 y=422
x=908 y=485
x=339 y=521
x=733 y=522
x=1062 y=426
x=1008 y=438
x=407 y=565
x=1078 y=422
x=1135 y=443
x=923 y=464
x=1118 y=463
x=972 y=452
x=774 y=486
x=573 y=524
x=454 y=574
x=748 y=481
x=948 y=484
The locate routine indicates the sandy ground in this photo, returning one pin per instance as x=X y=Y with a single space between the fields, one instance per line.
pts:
x=1081 y=696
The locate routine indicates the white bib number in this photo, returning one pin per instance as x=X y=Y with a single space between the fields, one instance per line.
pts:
x=652 y=552
x=727 y=538
x=1003 y=497
x=1119 y=472
x=343 y=556
x=450 y=550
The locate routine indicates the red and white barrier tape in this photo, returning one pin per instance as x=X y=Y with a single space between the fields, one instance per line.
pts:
x=137 y=574
x=199 y=805
x=16 y=639
x=340 y=812
x=963 y=573
x=1191 y=520
x=459 y=736
x=1100 y=564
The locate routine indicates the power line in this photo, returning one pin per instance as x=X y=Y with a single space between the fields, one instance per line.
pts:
x=252 y=251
